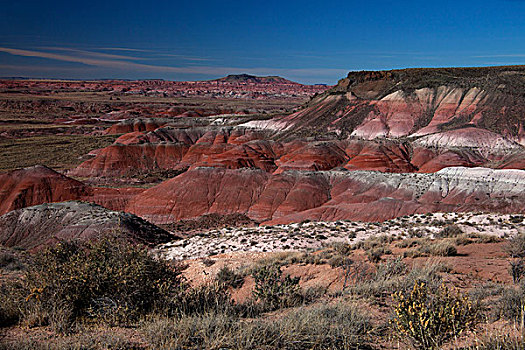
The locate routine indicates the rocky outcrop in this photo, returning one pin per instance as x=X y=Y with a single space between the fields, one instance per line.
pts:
x=46 y=224
x=37 y=185
x=293 y=196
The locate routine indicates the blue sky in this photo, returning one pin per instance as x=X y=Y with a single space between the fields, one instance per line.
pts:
x=306 y=41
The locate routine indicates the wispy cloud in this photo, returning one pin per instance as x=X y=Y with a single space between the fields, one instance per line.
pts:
x=515 y=55
x=182 y=57
x=151 y=54
x=36 y=69
x=98 y=60
x=122 y=49
x=94 y=60
x=102 y=65
x=91 y=53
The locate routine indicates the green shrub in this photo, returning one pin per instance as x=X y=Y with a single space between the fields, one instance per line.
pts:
x=511 y=304
x=275 y=291
x=229 y=277
x=109 y=280
x=11 y=296
x=212 y=297
x=10 y=260
x=374 y=255
x=431 y=318
x=516 y=246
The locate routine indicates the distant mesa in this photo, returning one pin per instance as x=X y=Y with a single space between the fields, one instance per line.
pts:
x=247 y=78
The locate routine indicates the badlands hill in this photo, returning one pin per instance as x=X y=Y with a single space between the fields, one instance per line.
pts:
x=379 y=145
x=414 y=103
x=37 y=185
x=42 y=225
x=295 y=196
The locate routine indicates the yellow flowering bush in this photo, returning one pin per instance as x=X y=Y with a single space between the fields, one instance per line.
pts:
x=431 y=318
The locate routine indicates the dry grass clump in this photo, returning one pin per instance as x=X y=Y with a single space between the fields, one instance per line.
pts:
x=374 y=242
x=394 y=275
x=330 y=254
x=499 y=342
x=511 y=304
x=338 y=326
x=443 y=248
x=449 y=231
x=375 y=255
x=438 y=248
x=86 y=340
x=486 y=290
x=206 y=298
x=412 y=242
x=470 y=238
x=280 y=259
